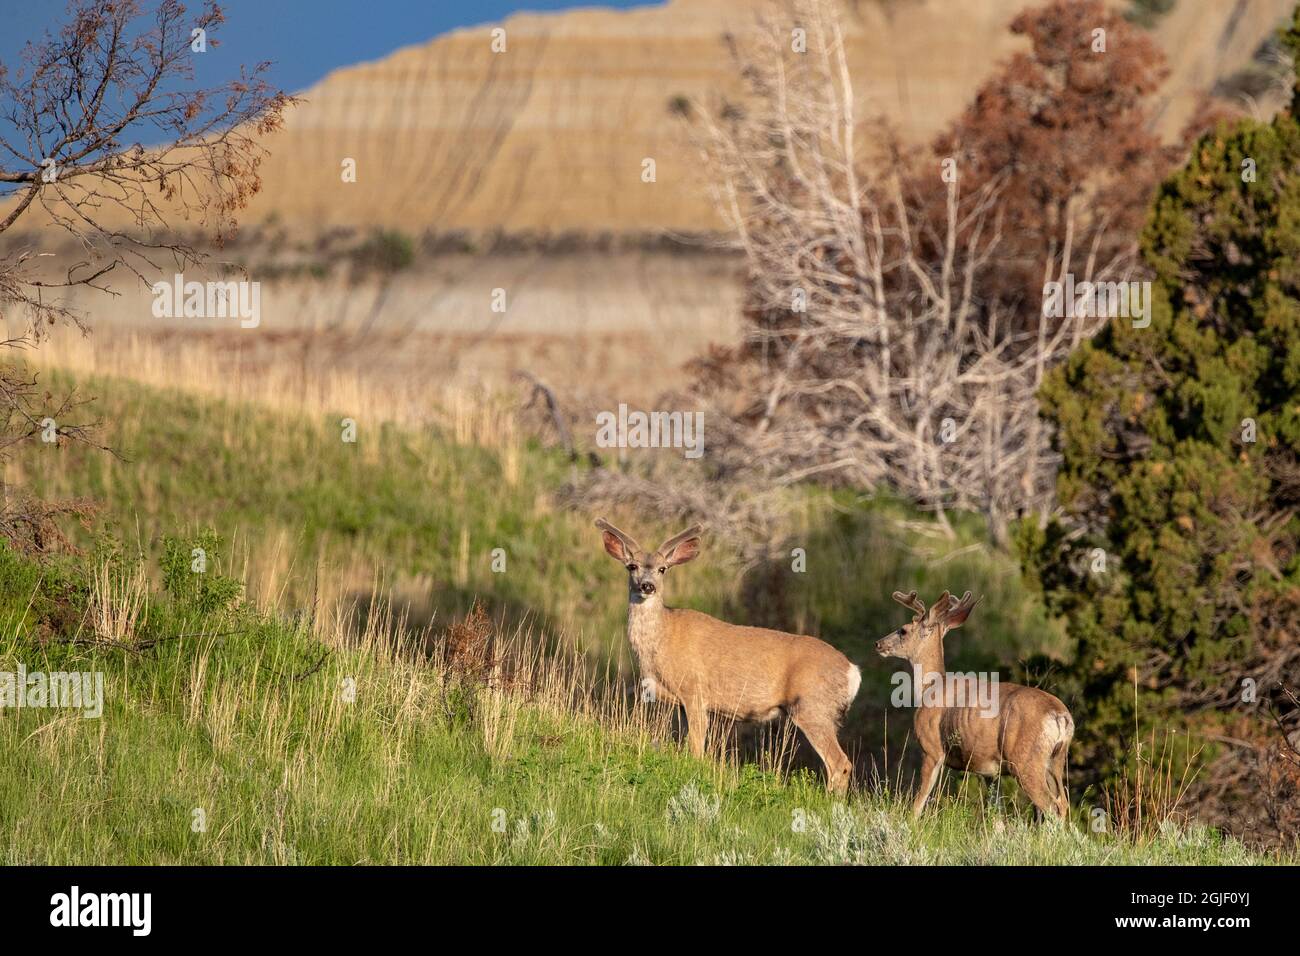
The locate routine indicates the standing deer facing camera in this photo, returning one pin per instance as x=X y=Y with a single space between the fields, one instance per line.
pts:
x=1026 y=733
x=743 y=673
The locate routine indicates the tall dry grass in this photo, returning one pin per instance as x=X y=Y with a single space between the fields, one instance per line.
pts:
x=118 y=603
x=1149 y=795
x=310 y=384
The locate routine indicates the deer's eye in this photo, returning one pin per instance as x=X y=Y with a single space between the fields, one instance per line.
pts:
x=663 y=570
x=631 y=567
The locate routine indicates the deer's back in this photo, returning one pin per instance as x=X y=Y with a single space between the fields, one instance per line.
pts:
x=1026 y=721
x=751 y=673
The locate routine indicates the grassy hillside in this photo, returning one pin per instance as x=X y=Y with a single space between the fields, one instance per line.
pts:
x=230 y=736
x=323 y=721
x=414 y=515
x=307 y=511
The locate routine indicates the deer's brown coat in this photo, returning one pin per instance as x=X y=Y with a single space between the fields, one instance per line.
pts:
x=730 y=671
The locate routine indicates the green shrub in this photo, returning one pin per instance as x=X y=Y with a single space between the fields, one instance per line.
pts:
x=1176 y=559
x=386 y=251
x=190 y=575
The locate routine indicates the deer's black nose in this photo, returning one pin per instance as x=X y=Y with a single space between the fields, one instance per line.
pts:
x=647 y=587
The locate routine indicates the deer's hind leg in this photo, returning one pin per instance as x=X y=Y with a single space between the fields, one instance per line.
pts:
x=823 y=734
x=1056 y=780
x=1045 y=789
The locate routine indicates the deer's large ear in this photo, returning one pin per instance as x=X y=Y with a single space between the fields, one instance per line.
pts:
x=957 y=616
x=682 y=547
x=619 y=546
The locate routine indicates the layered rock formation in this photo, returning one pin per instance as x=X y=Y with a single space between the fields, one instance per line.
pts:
x=550 y=135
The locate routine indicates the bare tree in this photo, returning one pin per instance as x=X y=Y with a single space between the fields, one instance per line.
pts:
x=885 y=344
x=76 y=117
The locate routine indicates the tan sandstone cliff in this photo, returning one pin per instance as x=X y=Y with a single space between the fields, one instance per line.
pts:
x=550 y=135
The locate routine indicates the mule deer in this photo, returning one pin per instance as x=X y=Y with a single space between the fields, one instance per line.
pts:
x=743 y=673
x=1026 y=733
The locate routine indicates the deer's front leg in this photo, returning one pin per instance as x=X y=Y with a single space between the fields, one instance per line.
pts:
x=697 y=728
x=930 y=769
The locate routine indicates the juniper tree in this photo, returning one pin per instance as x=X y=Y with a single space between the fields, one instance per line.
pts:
x=1176 y=557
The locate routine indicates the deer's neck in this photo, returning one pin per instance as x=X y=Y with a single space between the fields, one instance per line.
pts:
x=646 y=618
x=928 y=671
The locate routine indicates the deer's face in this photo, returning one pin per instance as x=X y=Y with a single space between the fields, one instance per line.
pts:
x=912 y=641
x=645 y=576
x=907 y=641
x=646 y=569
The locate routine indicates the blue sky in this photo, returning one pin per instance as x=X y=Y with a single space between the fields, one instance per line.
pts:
x=304 y=38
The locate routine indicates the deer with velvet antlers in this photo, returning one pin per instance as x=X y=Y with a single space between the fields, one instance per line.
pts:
x=743 y=673
x=1026 y=733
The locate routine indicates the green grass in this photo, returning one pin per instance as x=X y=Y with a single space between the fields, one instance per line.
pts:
x=231 y=727
x=418 y=507
x=427 y=512
x=239 y=710
x=417 y=515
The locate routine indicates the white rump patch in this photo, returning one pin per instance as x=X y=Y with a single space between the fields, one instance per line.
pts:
x=855 y=681
x=1057 y=729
